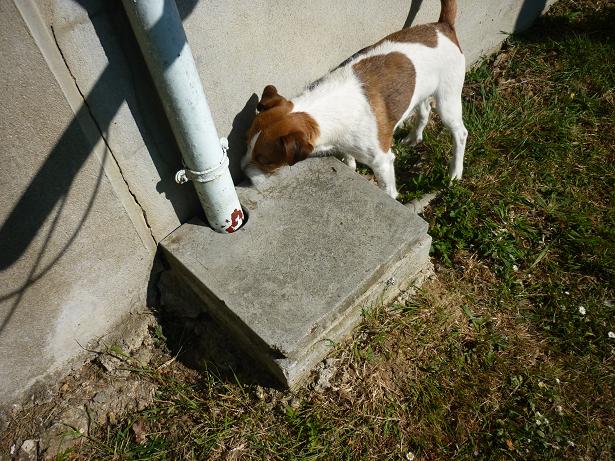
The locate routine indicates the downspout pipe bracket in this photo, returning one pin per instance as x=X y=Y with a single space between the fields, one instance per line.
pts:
x=186 y=174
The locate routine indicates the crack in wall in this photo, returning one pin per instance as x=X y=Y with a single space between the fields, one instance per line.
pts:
x=102 y=135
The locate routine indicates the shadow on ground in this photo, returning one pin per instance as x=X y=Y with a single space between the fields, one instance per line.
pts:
x=197 y=341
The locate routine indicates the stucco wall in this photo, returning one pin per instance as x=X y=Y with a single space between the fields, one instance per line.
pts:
x=239 y=47
x=71 y=261
x=87 y=157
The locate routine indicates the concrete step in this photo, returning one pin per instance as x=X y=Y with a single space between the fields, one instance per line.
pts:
x=320 y=245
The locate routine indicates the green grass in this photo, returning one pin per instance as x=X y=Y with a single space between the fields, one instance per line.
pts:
x=493 y=359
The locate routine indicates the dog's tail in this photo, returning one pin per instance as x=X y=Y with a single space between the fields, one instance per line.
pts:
x=448 y=12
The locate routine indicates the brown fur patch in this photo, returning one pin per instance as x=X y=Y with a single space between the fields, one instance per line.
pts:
x=388 y=82
x=424 y=34
x=285 y=138
x=269 y=117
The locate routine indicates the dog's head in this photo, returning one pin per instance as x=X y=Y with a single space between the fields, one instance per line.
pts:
x=279 y=136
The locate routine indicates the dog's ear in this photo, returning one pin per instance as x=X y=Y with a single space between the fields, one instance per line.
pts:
x=296 y=146
x=269 y=99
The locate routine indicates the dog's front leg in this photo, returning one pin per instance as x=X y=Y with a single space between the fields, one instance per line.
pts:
x=383 y=166
x=349 y=160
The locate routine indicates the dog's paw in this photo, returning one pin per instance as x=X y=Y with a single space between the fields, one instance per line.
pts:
x=391 y=192
x=454 y=177
x=255 y=175
x=412 y=140
x=350 y=161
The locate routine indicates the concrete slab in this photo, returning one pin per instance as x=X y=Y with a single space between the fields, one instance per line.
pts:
x=321 y=243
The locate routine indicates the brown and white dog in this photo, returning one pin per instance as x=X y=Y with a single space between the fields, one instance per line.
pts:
x=355 y=109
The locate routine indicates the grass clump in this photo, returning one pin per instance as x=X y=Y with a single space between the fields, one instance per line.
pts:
x=506 y=354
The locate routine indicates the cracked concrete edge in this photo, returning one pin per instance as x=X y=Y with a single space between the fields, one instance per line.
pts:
x=47 y=45
x=409 y=272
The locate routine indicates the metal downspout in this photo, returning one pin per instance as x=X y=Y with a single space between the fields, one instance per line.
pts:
x=161 y=36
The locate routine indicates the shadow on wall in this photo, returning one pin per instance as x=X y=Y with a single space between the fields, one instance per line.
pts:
x=530 y=10
x=51 y=183
x=237 y=136
x=415 y=6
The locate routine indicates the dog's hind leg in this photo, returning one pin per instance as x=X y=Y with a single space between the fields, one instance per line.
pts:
x=448 y=105
x=422 y=117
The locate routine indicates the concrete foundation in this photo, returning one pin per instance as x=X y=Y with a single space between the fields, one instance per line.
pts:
x=321 y=244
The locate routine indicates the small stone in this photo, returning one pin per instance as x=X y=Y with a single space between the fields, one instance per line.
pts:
x=260 y=393
x=103 y=396
x=142 y=404
x=294 y=403
x=28 y=451
x=75 y=418
x=108 y=362
x=144 y=356
x=101 y=419
x=324 y=373
x=59 y=437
